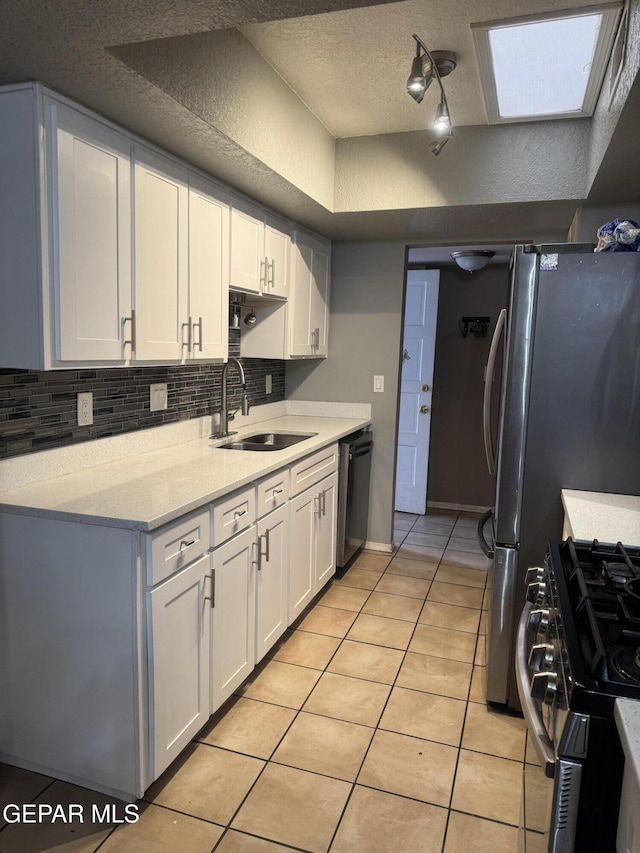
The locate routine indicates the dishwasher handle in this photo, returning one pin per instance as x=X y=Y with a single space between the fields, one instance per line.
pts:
x=361 y=450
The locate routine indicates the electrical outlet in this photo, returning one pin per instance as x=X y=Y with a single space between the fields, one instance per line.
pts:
x=267 y=384
x=158 y=396
x=85 y=409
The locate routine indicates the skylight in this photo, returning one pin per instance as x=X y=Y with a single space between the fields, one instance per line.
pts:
x=547 y=66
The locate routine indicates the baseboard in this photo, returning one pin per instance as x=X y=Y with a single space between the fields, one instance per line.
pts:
x=384 y=547
x=458 y=507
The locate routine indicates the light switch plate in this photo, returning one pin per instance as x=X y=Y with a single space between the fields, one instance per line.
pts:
x=378 y=384
x=158 y=396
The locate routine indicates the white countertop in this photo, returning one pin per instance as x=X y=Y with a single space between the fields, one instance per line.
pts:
x=627 y=716
x=599 y=515
x=150 y=489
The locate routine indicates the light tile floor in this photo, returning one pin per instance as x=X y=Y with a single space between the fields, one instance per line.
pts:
x=365 y=731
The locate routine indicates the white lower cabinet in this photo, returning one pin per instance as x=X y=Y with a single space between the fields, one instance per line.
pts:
x=313 y=542
x=179 y=634
x=131 y=651
x=234 y=622
x=272 y=579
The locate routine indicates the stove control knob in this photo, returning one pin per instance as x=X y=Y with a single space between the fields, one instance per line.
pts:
x=537 y=593
x=544 y=686
x=535 y=574
x=541 y=657
x=538 y=621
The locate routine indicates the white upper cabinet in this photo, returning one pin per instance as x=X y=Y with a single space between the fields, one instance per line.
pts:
x=260 y=251
x=309 y=322
x=299 y=328
x=277 y=247
x=161 y=241
x=90 y=214
x=208 y=271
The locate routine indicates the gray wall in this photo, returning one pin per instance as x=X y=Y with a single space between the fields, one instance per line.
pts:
x=457 y=468
x=367 y=292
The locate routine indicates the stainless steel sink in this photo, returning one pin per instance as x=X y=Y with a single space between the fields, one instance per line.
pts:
x=263 y=441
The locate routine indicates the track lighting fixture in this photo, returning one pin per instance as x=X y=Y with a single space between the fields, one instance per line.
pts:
x=425 y=68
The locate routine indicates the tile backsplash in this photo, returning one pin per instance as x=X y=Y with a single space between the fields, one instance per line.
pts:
x=38 y=410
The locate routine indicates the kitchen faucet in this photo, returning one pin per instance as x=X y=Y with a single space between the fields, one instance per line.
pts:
x=225 y=415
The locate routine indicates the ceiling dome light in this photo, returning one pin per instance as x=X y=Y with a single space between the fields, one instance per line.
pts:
x=472 y=260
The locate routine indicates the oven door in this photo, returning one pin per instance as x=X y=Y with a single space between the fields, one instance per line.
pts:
x=551 y=785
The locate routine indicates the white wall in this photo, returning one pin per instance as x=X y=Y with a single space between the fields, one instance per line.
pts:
x=367 y=281
x=525 y=162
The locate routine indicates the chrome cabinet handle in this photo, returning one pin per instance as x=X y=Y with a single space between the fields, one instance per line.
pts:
x=192 y=338
x=132 y=339
x=424 y=410
x=277 y=492
x=324 y=502
x=273 y=272
x=267 y=548
x=187 y=543
x=239 y=513
x=263 y=273
x=317 y=506
x=212 y=597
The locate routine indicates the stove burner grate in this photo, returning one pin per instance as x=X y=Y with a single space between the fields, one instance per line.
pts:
x=625 y=663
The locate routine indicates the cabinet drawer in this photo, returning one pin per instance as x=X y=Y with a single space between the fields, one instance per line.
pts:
x=175 y=546
x=233 y=514
x=310 y=470
x=272 y=492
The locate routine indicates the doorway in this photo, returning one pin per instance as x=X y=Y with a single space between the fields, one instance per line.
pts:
x=416 y=388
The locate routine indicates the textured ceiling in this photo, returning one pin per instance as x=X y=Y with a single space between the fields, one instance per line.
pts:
x=347 y=61
x=351 y=67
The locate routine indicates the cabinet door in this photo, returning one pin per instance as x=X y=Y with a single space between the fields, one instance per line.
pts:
x=277 y=248
x=300 y=306
x=319 y=309
x=90 y=213
x=161 y=258
x=272 y=579
x=179 y=629
x=234 y=616
x=247 y=262
x=208 y=272
x=326 y=522
x=304 y=509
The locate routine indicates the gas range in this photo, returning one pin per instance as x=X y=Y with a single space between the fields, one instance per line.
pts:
x=578 y=650
x=603 y=591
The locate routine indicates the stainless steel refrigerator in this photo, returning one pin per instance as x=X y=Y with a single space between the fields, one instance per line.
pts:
x=569 y=416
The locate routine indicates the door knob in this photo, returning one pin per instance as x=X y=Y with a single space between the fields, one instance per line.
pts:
x=424 y=410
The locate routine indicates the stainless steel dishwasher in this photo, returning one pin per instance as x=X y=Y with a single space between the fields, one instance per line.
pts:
x=353 y=494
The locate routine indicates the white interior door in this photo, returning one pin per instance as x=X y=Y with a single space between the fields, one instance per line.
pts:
x=416 y=387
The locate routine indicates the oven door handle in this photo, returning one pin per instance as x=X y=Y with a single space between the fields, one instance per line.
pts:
x=541 y=742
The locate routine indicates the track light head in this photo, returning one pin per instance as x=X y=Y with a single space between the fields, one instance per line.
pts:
x=418 y=82
x=442 y=121
x=438 y=144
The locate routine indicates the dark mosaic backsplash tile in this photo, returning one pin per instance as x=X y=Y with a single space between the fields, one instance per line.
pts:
x=38 y=410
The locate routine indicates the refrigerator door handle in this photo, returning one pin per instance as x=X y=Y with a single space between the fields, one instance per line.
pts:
x=489 y=449
x=489 y=550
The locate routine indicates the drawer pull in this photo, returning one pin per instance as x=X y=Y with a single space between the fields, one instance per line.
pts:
x=239 y=513
x=277 y=492
x=187 y=543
